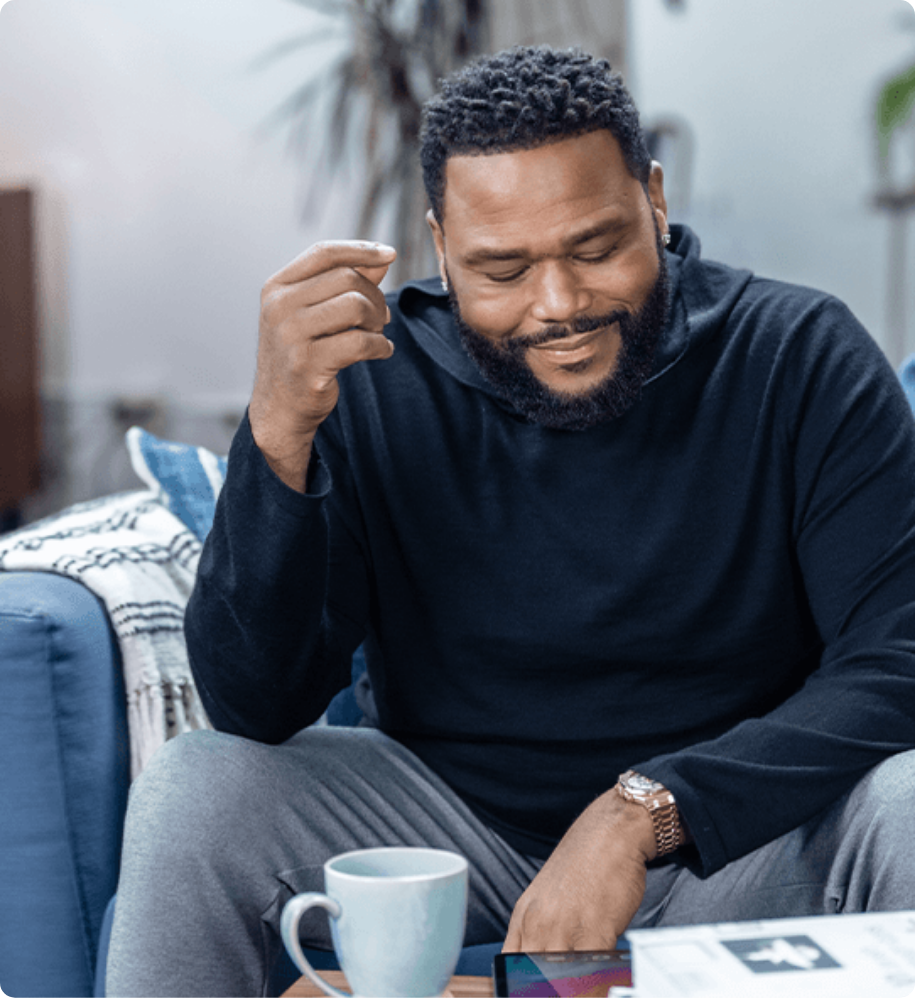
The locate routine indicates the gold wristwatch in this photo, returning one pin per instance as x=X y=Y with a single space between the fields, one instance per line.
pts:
x=660 y=804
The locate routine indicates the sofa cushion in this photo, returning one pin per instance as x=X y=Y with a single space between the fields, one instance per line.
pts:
x=64 y=773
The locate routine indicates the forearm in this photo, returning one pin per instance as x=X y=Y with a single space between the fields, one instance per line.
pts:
x=769 y=774
x=265 y=649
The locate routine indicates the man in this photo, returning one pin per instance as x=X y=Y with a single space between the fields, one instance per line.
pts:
x=629 y=538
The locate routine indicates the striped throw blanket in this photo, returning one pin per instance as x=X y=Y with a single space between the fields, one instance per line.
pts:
x=138 y=552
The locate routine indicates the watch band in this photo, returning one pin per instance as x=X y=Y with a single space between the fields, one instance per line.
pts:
x=661 y=807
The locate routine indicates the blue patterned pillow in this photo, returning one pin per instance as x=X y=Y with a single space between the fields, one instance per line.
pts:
x=187 y=479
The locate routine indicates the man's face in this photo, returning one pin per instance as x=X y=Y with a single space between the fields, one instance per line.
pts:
x=556 y=274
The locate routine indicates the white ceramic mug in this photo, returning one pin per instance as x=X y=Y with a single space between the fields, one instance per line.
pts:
x=397 y=918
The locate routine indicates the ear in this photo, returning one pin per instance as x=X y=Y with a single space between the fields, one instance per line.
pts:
x=656 y=195
x=438 y=237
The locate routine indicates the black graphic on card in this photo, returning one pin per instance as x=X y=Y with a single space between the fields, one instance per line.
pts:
x=777 y=954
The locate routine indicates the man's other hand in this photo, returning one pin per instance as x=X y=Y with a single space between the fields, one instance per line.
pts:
x=321 y=313
x=588 y=891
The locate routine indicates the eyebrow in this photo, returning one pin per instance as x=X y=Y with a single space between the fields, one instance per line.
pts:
x=484 y=255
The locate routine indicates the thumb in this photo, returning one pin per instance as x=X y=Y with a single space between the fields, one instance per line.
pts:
x=377 y=274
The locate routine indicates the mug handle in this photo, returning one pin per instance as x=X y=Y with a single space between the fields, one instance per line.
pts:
x=289 y=928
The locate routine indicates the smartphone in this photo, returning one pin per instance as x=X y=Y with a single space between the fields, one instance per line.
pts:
x=530 y=975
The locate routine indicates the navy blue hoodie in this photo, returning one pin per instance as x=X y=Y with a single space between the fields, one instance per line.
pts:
x=716 y=589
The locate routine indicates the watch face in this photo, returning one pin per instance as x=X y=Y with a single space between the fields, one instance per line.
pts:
x=641 y=785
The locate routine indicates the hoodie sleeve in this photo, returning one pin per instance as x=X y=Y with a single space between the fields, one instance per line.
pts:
x=270 y=628
x=852 y=438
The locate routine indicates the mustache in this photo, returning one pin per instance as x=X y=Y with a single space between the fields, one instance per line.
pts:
x=580 y=324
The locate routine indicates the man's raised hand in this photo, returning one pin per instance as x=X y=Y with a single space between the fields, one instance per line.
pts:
x=321 y=313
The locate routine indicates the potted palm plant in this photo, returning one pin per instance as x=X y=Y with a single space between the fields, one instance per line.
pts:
x=396 y=52
x=895 y=114
x=895 y=106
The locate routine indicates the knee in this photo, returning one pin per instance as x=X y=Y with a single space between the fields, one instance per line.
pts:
x=877 y=815
x=887 y=792
x=873 y=854
x=192 y=784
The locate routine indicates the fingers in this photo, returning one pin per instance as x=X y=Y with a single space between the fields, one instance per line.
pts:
x=329 y=302
x=320 y=314
x=323 y=291
x=556 y=929
x=372 y=260
x=343 y=349
x=512 y=942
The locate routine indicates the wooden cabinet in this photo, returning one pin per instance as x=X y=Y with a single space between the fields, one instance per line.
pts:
x=20 y=435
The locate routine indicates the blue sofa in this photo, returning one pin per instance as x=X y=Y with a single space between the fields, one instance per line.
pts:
x=64 y=775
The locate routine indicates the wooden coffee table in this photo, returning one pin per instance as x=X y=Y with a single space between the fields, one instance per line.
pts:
x=458 y=987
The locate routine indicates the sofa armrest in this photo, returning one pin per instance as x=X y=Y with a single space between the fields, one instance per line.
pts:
x=64 y=777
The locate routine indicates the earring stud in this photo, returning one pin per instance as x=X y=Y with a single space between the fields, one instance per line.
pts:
x=665 y=239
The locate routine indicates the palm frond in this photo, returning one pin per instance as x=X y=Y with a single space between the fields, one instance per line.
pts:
x=331 y=8
x=282 y=49
x=398 y=51
x=372 y=201
x=346 y=102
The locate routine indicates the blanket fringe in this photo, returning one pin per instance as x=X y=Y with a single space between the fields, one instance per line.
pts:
x=158 y=712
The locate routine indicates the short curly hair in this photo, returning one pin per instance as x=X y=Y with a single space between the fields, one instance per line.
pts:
x=522 y=98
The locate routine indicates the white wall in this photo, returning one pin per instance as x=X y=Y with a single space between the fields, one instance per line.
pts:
x=780 y=96
x=163 y=210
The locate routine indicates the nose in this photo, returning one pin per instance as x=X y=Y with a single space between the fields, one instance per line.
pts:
x=558 y=294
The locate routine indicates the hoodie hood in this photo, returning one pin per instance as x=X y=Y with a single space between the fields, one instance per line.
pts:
x=703 y=294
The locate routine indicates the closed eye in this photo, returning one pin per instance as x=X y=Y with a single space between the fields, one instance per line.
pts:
x=514 y=275
x=507 y=278
x=595 y=257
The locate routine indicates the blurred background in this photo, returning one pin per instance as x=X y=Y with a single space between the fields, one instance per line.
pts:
x=159 y=161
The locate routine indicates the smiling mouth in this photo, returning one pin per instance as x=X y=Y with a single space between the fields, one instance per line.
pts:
x=570 y=348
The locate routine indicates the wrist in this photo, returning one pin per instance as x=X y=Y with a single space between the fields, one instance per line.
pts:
x=623 y=827
x=659 y=805
x=636 y=826
x=287 y=452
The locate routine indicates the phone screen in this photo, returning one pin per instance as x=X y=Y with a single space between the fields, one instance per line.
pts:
x=531 y=975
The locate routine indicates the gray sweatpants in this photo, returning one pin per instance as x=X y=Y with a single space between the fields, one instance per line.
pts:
x=221 y=832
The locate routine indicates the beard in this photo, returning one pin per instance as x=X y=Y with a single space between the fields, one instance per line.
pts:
x=505 y=367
